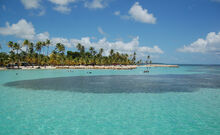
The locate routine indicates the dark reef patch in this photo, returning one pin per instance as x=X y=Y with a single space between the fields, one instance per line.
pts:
x=123 y=83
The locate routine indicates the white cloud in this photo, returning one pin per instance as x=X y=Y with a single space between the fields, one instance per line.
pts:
x=100 y=30
x=155 y=49
x=42 y=36
x=117 y=13
x=210 y=44
x=31 y=4
x=62 y=9
x=62 y=5
x=120 y=46
x=22 y=29
x=62 y=2
x=64 y=41
x=94 y=4
x=141 y=15
x=215 y=0
x=42 y=12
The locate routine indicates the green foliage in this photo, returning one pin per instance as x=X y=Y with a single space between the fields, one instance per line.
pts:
x=34 y=55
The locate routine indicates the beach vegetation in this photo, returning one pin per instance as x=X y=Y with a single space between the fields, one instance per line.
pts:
x=40 y=53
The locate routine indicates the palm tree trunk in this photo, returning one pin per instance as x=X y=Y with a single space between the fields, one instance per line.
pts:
x=39 y=59
x=47 y=50
x=17 y=59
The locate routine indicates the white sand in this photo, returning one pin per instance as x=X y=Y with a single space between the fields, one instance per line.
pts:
x=118 y=67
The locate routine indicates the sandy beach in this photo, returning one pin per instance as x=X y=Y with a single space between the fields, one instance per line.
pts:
x=117 y=67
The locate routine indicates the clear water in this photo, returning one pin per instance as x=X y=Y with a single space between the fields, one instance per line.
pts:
x=174 y=101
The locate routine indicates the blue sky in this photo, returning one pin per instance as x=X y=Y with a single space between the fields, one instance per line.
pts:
x=172 y=31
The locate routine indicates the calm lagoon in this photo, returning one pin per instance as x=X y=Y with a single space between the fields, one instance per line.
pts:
x=184 y=100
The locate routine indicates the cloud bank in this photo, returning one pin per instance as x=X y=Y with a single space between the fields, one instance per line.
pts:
x=138 y=13
x=94 y=4
x=211 y=44
x=25 y=30
x=22 y=29
x=141 y=15
x=120 y=46
x=31 y=4
x=63 y=6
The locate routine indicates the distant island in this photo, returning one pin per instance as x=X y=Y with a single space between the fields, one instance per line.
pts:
x=37 y=55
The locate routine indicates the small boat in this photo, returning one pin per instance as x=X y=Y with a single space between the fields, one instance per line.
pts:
x=146 y=71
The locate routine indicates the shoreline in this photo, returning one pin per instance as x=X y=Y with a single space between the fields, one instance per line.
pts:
x=160 y=65
x=116 y=67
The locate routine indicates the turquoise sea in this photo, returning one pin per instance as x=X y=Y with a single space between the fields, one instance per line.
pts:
x=166 y=101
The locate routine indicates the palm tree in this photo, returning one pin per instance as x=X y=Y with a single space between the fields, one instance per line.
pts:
x=1 y=47
x=47 y=44
x=38 y=48
x=101 y=50
x=148 y=60
x=10 y=45
x=26 y=44
x=31 y=48
x=31 y=53
x=43 y=45
x=111 y=52
x=58 y=56
x=12 y=57
x=61 y=49
x=17 y=47
x=79 y=46
x=82 y=51
x=91 y=49
x=134 y=57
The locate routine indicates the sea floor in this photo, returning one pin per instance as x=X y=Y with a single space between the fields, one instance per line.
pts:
x=175 y=101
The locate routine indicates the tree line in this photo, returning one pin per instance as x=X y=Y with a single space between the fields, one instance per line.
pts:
x=38 y=54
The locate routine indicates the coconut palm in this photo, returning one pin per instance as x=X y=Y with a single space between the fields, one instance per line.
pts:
x=111 y=52
x=91 y=49
x=26 y=44
x=58 y=56
x=1 y=47
x=4 y=59
x=148 y=60
x=82 y=51
x=79 y=46
x=43 y=46
x=10 y=45
x=17 y=47
x=47 y=44
x=134 y=57
x=60 y=47
x=101 y=50
x=31 y=48
x=38 y=48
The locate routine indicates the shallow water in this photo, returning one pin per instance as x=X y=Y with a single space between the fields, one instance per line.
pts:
x=183 y=100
